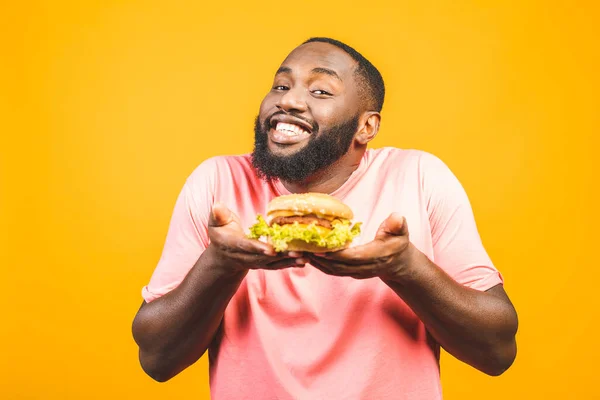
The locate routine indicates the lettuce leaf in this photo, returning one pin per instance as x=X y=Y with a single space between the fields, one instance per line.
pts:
x=281 y=235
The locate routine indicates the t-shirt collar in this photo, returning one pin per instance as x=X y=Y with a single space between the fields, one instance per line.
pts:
x=340 y=192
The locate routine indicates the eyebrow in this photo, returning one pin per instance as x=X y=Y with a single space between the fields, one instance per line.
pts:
x=317 y=70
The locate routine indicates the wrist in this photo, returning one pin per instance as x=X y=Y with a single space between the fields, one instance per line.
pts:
x=216 y=260
x=409 y=263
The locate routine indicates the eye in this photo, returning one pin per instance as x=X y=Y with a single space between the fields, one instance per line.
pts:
x=280 y=87
x=321 y=92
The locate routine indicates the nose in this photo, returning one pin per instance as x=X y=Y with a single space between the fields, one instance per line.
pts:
x=292 y=100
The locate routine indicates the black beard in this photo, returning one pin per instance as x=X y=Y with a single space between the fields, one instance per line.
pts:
x=320 y=152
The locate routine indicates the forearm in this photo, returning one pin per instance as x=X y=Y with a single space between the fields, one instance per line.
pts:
x=476 y=327
x=175 y=330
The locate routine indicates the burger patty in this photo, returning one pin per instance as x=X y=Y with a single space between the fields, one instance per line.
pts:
x=305 y=219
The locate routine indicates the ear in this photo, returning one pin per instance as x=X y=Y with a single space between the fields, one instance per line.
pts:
x=368 y=126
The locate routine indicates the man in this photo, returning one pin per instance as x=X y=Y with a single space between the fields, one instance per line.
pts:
x=362 y=323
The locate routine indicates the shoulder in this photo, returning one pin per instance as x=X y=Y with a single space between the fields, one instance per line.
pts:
x=219 y=167
x=420 y=161
x=212 y=177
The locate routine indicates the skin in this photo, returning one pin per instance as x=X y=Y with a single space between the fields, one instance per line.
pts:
x=327 y=99
x=176 y=329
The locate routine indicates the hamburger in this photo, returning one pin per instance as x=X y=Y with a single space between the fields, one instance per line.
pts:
x=308 y=222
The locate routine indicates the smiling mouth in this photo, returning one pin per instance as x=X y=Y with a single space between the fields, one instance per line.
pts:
x=290 y=129
x=284 y=133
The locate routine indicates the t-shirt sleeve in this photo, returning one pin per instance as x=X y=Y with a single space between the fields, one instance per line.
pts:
x=457 y=245
x=187 y=236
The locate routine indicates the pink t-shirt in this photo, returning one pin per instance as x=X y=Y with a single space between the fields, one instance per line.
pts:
x=301 y=334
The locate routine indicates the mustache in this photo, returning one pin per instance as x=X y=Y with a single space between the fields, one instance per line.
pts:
x=313 y=124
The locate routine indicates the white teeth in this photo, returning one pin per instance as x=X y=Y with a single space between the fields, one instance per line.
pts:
x=290 y=129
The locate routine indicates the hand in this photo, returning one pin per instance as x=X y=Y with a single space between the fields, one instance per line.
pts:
x=385 y=257
x=234 y=252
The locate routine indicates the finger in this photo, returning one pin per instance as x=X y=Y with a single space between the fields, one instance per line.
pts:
x=358 y=255
x=394 y=225
x=256 y=260
x=343 y=270
x=331 y=267
x=220 y=216
x=281 y=264
x=253 y=246
x=368 y=253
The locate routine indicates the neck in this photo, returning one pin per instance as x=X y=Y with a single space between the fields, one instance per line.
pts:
x=331 y=178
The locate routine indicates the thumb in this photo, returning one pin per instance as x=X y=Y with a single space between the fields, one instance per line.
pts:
x=394 y=225
x=220 y=216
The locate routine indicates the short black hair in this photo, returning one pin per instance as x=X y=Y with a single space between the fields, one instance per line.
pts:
x=370 y=80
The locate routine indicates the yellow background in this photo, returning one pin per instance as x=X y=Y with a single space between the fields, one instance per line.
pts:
x=107 y=106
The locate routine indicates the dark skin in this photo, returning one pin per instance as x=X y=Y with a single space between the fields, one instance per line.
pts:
x=302 y=87
x=175 y=330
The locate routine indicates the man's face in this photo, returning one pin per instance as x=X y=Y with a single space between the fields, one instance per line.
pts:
x=308 y=119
